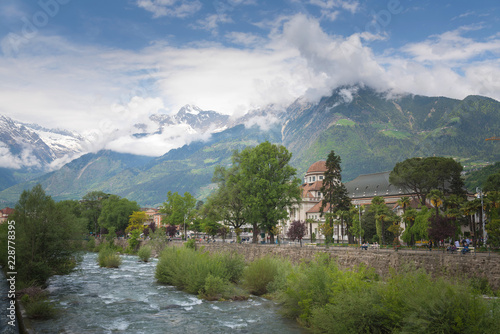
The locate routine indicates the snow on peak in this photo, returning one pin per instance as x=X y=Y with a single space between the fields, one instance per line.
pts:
x=190 y=109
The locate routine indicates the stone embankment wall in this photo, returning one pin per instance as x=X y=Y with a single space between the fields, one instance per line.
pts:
x=436 y=263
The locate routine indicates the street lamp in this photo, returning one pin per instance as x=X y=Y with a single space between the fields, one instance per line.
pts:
x=480 y=195
x=359 y=212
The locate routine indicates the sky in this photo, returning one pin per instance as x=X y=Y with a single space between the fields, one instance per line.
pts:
x=100 y=66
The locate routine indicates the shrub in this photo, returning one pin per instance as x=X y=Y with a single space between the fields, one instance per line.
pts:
x=214 y=288
x=144 y=253
x=259 y=276
x=191 y=243
x=188 y=269
x=91 y=244
x=36 y=304
x=134 y=241
x=109 y=258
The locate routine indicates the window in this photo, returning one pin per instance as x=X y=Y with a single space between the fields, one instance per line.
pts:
x=314 y=178
x=321 y=177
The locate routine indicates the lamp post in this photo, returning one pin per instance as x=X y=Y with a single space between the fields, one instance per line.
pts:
x=480 y=195
x=359 y=212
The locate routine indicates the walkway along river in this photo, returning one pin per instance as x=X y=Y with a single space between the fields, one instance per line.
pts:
x=129 y=300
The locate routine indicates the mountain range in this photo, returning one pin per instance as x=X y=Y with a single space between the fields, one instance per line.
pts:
x=369 y=130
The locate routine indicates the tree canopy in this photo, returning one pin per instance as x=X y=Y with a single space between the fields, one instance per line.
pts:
x=421 y=175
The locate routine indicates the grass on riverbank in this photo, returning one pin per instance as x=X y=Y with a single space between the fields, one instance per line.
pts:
x=326 y=299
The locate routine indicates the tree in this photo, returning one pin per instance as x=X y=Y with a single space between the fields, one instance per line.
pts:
x=297 y=231
x=335 y=197
x=421 y=175
x=136 y=221
x=405 y=202
x=179 y=210
x=436 y=198
x=382 y=216
x=492 y=183
x=92 y=206
x=268 y=185
x=227 y=203
x=116 y=211
x=45 y=234
x=441 y=228
x=171 y=230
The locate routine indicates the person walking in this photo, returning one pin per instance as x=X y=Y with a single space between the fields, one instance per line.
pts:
x=430 y=245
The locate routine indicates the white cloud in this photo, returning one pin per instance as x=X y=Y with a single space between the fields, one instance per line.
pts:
x=103 y=92
x=451 y=46
x=173 y=8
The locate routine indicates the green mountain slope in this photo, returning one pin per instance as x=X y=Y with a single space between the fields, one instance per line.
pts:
x=371 y=133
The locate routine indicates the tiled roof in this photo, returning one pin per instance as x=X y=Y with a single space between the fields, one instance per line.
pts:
x=308 y=187
x=318 y=166
x=7 y=211
x=315 y=209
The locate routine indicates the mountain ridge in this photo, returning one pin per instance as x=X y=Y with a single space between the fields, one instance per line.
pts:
x=367 y=129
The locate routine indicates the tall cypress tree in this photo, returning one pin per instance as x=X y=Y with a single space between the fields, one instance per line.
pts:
x=333 y=190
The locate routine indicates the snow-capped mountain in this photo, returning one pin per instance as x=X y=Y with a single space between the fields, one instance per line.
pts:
x=34 y=147
x=199 y=120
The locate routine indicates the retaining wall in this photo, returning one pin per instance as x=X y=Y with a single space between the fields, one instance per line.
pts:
x=436 y=263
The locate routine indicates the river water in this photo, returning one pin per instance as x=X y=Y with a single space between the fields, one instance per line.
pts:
x=129 y=300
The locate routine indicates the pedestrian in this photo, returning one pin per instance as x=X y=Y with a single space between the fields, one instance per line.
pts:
x=430 y=245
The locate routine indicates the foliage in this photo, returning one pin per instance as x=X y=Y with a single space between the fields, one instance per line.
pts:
x=419 y=229
x=136 y=221
x=493 y=182
x=171 y=230
x=38 y=306
x=46 y=237
x=479 y=178
x=421 y=175
x=441 y=228
x=191 y=244
x=108 y=258
x=382 y=215
x=92 y=207
x=335 y=197
x=265 y=275
x=158 y=240
x=115 y=212
x=134 y=241
x=328 y=300
x=144 y=253
x=297 y=231
x=179 y=210
x=267 y=183
x=189 y=269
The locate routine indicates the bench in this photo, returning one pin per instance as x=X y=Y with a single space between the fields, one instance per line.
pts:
x=377 y=246
x=471 y=249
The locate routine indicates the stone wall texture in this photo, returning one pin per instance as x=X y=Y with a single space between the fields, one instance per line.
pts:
x=436 y=263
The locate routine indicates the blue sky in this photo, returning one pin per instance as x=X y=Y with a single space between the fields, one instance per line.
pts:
x=101 y=66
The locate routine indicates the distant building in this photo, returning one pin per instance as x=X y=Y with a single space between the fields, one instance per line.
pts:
x=5 y=213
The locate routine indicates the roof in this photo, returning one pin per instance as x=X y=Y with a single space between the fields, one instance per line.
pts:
x=316 y=208
x=318 y=166
x=308 y=187
x=7 y=211
x=370 y=185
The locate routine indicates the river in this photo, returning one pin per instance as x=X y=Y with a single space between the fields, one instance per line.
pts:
x=129 y=300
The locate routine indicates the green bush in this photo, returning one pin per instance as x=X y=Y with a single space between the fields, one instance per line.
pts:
x=328 y=300
x=134 y=242
x=188 y=269
x=191 y=243
x=109 y=258
x=260 y=275
x=36 y=304
x=144 y=253
x=91 y=244
x=215 y=288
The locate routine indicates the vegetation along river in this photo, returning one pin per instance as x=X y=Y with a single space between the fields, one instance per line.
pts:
x=129 y=300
